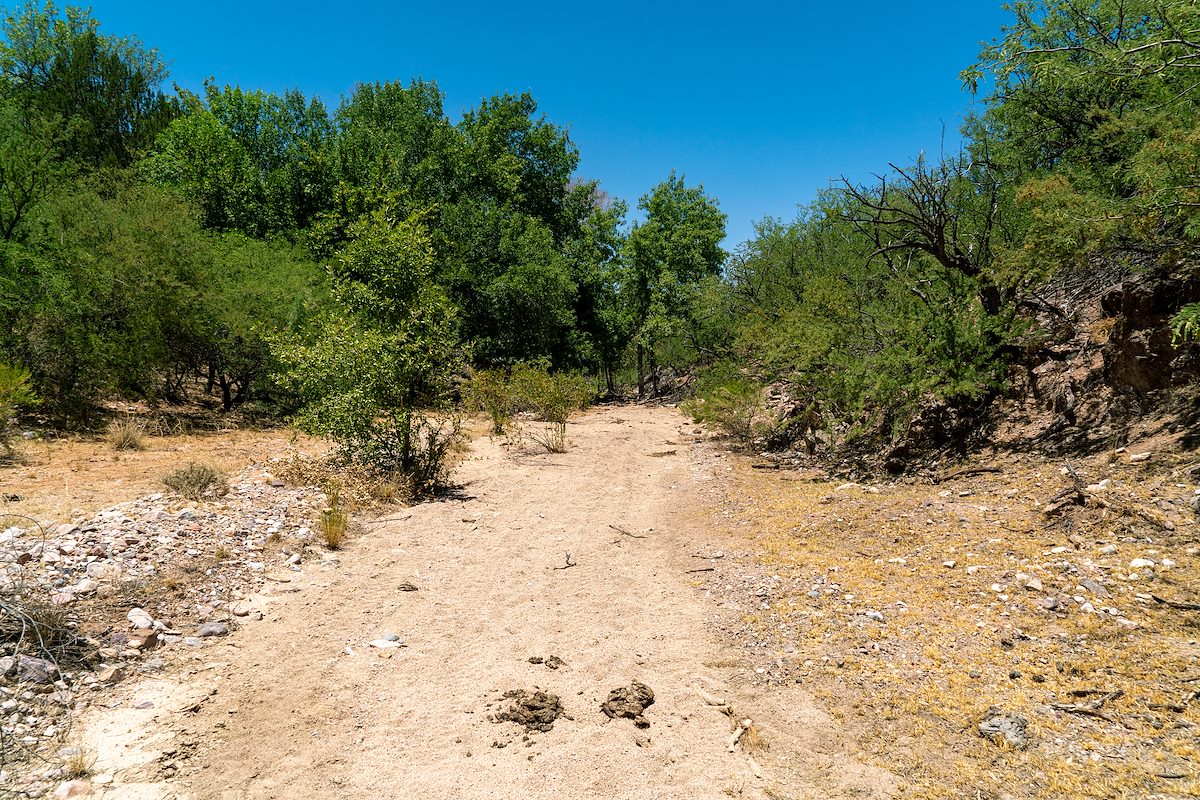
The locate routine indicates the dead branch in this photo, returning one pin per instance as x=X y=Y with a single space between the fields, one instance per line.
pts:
x=570 y=562
x=624 y=532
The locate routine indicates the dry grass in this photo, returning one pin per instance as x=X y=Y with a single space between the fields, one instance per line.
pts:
x=126 y=434
x=956 y=641
x=334 y=521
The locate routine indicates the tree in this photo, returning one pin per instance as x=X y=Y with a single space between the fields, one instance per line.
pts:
x=251 y=161
x=106 y=88
x=372 y=365
x=669 y=254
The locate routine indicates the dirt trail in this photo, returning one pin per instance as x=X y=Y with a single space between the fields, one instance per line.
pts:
x=303 y=708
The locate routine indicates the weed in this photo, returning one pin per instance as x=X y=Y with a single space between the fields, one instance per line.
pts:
x=197 y=481
x=79 y=765
x=334 y=520
x=492 y=391
x=222 y=553
x=126 y=434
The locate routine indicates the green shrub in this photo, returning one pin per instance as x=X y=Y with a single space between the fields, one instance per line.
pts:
x=730 y=402
x=554 y=397
x=196 y=482
x=15 y=391
x=491 y=391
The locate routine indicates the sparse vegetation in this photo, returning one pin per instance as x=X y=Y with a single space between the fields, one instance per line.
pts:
x=731 y=402
x=15 y=392
x=197 y=482
x=126 y=434
x=334 y=520
x=554 y=397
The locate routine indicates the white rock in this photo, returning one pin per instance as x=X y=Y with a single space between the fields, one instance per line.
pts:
x=1138 y=458
x=1107 y=550
x=140 y=619
x=385 y=644
x=1139 y=563
x=950 y=564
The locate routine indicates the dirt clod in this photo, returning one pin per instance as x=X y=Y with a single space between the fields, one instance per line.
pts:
x=629 y=701
x=553 y=662
x=536 y=710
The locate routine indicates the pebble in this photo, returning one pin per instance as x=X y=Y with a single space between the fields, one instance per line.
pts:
x=1139 y=563
x=1107 y=550
x=1138 y=458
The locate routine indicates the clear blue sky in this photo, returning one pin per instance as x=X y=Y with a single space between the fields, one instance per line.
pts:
x=761 y=102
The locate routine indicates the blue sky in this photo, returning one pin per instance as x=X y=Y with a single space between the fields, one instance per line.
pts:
x=761 y=102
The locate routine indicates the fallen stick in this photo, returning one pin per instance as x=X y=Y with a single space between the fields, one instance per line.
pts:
x=621 y=530
x=1177 y=605
x=711 y=700
x=569 y=563
x=734 y=737
x=702 y=569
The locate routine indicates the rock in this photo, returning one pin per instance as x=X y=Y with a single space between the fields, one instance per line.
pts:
x=110 y=675
x=386 y=644
x=30 y=669
x=1093 y=587
x=1139 y=563
x=1033 y=585
x=1139 y=458
x=140 y=619
x=72 y=789
x=949 y=564
x=1007 y=728
x=876 y=616
x=1107 y=550
x=151 y=665
x=213 y=629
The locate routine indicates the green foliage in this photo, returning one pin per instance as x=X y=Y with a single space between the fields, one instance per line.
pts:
x=366 y=370
x=554 y=397
x=1185 y=325
x=669 y=254
x=197 y=482
x=105 y=88
x=731 y=402
x=16 y=391
x=491 y=391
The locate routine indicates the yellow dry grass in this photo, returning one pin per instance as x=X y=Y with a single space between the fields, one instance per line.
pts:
x=961 y=633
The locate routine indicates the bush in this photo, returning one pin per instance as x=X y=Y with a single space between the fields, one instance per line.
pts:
x=196 y=482
x=15 y=391
x=732 y=403
x=334 y=520
x=491 y=391
x=552 y=396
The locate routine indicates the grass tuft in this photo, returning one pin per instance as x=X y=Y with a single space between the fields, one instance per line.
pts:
x=126 y=434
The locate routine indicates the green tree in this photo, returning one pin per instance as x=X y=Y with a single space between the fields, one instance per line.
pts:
x=668 y=255
x=106 y=88
x=383 y=356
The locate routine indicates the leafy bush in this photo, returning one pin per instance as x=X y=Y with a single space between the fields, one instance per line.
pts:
x=196 y=482
x=731 y=402
x=372 y=374
x=491 y=391
x=15 y=391
x=554 y=397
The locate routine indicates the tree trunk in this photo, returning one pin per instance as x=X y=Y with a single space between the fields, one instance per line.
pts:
x=641 y=354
